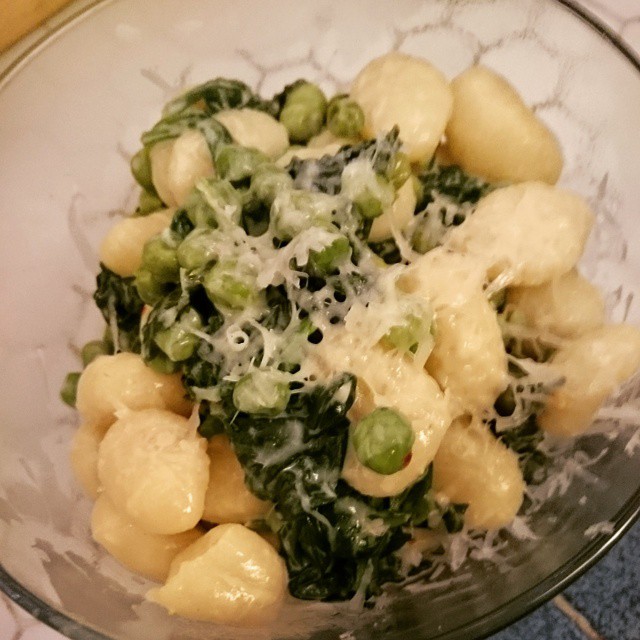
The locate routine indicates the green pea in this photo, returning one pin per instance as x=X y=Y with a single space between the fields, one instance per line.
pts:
x=301 y=121
x=328 y=259
x=293 y=351
x=269 y=180
x=308 y=93
x=213 y=203
x=295 y=211
x=92 y=350
x=148 y=203
x=414 y=331
x=161 y=260
x=236 y=163
x=141 y=170
x=382 y=440
x=399 y=169
x=200 y=247
x=211 y=425
x=231 y=284
x=178 y=341
x=149 y=288
x=304 y=112
x=370 y=193
x=368 y=206
x=69 y=388
x=345 y=118
x=372 y=201
x=261 y=392
x=162 y=364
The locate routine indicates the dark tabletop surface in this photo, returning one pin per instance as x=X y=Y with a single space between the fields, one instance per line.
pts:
x=602 y=605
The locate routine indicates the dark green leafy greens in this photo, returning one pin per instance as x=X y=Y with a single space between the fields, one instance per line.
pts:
x=220 y=94
x=173 y=126
x=121 y=306
x=447 y=196
x=525 y=440
x=452 y=182
x=517 y=408
x=456 y=193
x=337 y=542
x=195 y=110
x=324 y=174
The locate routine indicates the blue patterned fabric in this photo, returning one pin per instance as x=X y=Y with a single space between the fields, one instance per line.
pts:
x=607 y=596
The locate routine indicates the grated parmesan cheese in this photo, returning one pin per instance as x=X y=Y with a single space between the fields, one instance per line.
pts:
x=599 y=528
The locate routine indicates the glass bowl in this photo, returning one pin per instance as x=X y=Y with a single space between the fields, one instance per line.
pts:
x=72 y=106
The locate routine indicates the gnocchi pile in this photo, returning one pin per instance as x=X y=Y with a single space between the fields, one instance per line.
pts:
x=335 y=328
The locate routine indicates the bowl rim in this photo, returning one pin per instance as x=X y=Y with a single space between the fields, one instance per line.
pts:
x=492 y=622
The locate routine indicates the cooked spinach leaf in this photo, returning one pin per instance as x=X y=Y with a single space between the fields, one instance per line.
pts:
x=388 y=250
x=350 y=546
x=517 y=408
x=324 y=174
x=219 y=94
x=446 y=198
x=294 y=458
x=195 y=110
x=525 y=440
x=121 y=306
x=214 y=133
x=336 y=541
x=454 y=190
x=450 y=181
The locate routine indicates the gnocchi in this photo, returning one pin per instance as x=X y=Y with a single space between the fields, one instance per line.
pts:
x=229 y=576
x=527 y=233
x=154 y=467
x=397 y=89
x=492 y=133
x=387 y=380
x=469 y=358
x=566 y=306
x=472 y=467
x=123 y=381
x=84 y=457
x=177 y=164
x=149 y=554
x=227 y=498
x=121 y=249
x=431 y=275
x=252 y=128
x=592 y=365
